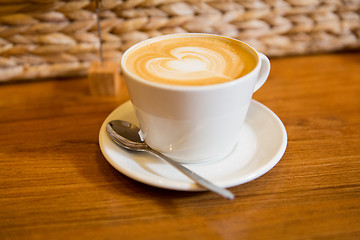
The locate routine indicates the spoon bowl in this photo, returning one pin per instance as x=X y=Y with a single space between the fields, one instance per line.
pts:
x=126 y=135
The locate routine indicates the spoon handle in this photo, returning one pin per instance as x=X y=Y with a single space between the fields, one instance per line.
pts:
x=198 y=179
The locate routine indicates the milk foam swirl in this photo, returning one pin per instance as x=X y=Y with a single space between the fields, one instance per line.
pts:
x=188 y=61
x=188 y=64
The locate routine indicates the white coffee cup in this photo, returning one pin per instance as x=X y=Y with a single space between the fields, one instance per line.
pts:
x=193 y=124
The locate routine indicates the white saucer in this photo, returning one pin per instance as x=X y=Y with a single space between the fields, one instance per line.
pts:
x=262 y=145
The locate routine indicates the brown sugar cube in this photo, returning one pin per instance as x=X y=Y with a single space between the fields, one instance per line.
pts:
x=104 y=80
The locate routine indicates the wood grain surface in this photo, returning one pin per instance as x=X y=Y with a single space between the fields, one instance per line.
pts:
x=56 y=184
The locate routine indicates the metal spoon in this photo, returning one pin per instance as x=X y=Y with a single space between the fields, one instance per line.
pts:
x=126 y=135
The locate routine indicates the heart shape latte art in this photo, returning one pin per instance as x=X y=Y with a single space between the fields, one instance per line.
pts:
x=188 y=61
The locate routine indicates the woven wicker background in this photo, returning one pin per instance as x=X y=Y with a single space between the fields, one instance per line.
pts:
x=58 y=38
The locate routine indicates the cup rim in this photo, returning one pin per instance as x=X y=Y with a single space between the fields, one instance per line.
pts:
x=124 y=70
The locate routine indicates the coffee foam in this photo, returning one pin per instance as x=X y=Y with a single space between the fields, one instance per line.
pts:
x=191 y=61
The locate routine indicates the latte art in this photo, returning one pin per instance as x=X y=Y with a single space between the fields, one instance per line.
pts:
x=190 y=61
x=189 y=64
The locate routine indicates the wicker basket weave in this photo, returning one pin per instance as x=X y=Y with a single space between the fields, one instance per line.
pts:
x=58 y=38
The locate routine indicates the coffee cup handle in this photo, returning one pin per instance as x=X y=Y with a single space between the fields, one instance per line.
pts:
x=264 y=71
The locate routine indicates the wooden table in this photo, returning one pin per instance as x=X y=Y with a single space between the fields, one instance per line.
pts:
x=56 y=184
